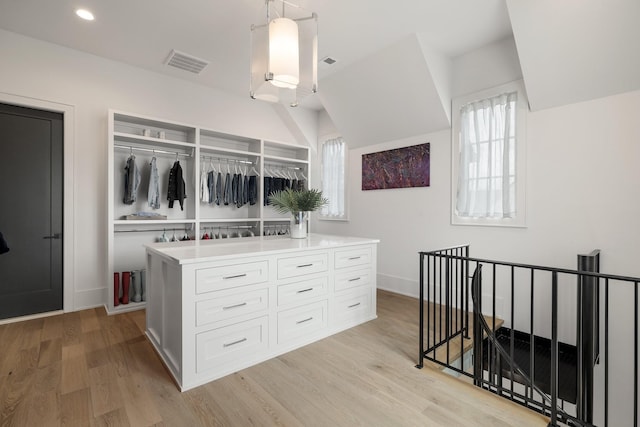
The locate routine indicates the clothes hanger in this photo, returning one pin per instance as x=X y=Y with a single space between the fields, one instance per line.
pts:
x=253 y=169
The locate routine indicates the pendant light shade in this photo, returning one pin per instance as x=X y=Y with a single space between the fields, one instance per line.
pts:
x=284 y=53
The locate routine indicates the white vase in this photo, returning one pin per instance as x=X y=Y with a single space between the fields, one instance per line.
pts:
x=298 y=227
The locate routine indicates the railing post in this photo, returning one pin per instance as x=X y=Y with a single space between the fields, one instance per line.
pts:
x=554 y=349
x=421 y=356
x=466 y=290
x=476 y=284
x=588 y=334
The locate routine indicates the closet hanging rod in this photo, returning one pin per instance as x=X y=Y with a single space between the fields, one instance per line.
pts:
x=229 y=227
x=247 y=162
x=152 y=230
x=151 y=150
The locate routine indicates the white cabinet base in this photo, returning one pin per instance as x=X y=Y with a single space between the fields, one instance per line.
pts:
x=214 y=308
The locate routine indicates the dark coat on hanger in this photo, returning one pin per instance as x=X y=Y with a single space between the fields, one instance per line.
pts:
x=176 y=188
x=4 y=248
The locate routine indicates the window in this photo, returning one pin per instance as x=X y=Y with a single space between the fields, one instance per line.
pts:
x=334 y=157
x=488 y=158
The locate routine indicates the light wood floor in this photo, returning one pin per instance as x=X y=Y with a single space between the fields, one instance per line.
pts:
x=90 y=369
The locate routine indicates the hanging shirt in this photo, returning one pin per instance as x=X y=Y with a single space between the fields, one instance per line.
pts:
x=204 y=187
x=131 y=181
x=153 y=194
x=218 y=189
x=240 y=199
x=267 y=189
x=245 y=190
x=211 y=184
x=227 y=196
x=253 y=190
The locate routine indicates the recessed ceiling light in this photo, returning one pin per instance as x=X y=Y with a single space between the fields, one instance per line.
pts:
x=85 y=14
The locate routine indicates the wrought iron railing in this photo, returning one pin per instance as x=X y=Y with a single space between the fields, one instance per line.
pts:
x=534 y=333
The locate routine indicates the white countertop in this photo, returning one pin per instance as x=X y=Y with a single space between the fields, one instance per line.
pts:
x=194 y=251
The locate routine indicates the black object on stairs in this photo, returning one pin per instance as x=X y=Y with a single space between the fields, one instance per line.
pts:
x=567 y=362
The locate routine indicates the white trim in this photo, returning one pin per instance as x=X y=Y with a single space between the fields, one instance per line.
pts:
x=30 y=317
x=69 y=188
x=520 y=221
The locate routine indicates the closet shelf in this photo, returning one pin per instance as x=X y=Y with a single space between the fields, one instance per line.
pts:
x=227 y=220
x=131 y=306
x=149 y=140
x=279 y=159
x=214 y=151
x=284 y=219
x=195 y=147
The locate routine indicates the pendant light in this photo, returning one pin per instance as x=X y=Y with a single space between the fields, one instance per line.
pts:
x=284 y=55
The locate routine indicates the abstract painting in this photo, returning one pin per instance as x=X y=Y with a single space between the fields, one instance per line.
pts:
x=397 y=168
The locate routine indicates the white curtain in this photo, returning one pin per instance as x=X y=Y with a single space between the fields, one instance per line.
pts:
x=333 y=177
x=486 y=174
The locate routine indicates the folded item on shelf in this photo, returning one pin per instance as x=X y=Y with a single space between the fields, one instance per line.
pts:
x=144 y=215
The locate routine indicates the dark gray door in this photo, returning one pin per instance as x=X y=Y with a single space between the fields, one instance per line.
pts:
x=31 y=160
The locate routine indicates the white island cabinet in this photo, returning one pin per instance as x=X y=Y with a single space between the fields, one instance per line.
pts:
x=215 y=307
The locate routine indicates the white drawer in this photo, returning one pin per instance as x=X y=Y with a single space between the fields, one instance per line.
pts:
x=301 y=291
x=220 y=346
x=301 y=265
x=352 y=279
x=226 y=307
x=301 y=321
x=228 y=276
x=355 y=306
x=351 y=257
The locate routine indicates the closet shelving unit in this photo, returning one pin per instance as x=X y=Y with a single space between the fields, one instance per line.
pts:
x=196 y=148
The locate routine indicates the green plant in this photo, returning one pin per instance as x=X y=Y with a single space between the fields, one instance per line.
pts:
x=297 y=201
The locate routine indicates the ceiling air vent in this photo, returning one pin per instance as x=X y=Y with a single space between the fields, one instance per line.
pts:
x=329 y=60
x=186 y=62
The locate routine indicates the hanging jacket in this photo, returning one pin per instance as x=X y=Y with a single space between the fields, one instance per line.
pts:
x=153 y=194
x=131 y=181
x=176 y=188
x=4 y=247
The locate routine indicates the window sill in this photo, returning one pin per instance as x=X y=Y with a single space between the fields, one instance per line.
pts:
x=333 y=219
x=489 y=222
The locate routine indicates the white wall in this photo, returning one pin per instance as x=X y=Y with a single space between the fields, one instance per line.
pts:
x=35 y=69
x=581 y=187
x=582 y=194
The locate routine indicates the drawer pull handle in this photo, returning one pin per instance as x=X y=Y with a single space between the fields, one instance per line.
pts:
x=305 y=320
x=234 y=343
x=354 y=305
x=234 y=277
x=304 y=265
x=304 y=290
x=354 y=257
x=229 y=307
x=355 y=279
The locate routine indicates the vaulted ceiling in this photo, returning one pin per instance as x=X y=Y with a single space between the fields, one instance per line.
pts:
x=396 y=61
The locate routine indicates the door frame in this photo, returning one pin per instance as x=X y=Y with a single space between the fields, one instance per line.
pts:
x=68 y=252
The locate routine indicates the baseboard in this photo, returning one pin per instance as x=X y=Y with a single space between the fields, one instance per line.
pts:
x=89 y=298
x=398 y=285
x=30 y=317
